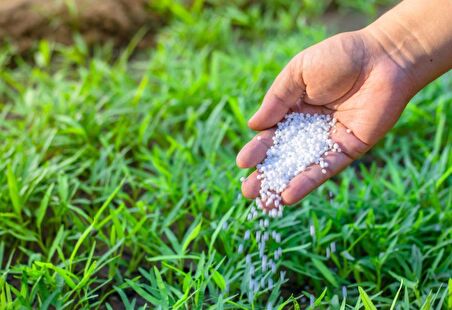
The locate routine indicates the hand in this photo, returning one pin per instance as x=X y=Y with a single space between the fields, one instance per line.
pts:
x=349 y=76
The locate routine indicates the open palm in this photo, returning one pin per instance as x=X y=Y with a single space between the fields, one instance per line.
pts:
x=349 y=76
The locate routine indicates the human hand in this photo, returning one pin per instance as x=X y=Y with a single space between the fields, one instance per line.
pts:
x=349 y=76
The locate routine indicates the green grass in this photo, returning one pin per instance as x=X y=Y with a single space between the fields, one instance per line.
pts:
x=117 y=177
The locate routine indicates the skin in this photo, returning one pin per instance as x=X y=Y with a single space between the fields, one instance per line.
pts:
x=363 y=78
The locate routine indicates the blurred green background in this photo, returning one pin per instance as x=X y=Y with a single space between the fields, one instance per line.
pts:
x=118 y=185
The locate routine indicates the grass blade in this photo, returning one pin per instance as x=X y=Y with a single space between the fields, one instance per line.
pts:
x=40 y=213
x=325 y=271
x=14 y=191
x=449 y=299
x=396 y=296
x=93 y=224
x=367 y=302
x=162 y=288
x=191 y=234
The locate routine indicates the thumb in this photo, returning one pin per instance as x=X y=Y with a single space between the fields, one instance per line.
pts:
x=283 y=95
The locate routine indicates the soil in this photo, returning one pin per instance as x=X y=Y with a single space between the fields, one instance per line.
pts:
x=23 y=22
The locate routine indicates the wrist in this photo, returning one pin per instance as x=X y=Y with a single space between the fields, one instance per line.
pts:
x=416 y=38
x=385 y=49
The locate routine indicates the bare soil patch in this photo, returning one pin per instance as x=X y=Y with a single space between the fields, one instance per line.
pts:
x=23 y=22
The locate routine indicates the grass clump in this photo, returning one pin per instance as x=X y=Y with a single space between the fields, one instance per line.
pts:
x=118 y=178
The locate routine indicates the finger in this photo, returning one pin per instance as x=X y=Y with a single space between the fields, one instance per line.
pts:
x=284 y=93
x=251 y=186
x=348 y=142
x=255 y=151
x=313 y=177
x=250 y=190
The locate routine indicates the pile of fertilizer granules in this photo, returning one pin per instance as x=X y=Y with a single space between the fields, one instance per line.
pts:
x=301 y=140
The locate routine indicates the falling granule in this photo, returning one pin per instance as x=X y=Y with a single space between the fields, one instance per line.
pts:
x=331 y=196
x=251 y=284
x=273 y=267
x=312 y=230
x=270 y=284
x=258 y=235
x=264 y=263
x=256 y=287
x=344 y=291
x=333 y=247
x=300 y=141
x=282 y=276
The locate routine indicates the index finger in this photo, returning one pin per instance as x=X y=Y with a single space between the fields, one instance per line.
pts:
x=282 y=96
x=255 y=151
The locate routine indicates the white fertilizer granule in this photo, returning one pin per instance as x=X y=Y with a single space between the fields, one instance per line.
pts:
x=300 y=141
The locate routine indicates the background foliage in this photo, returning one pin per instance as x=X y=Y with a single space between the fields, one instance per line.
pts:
x=118 y=185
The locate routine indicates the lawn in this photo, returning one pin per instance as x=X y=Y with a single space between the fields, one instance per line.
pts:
x=118 y=184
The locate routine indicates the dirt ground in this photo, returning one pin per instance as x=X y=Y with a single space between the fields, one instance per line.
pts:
x=22 y=22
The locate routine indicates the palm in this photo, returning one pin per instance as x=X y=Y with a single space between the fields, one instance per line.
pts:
x=339 y=76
